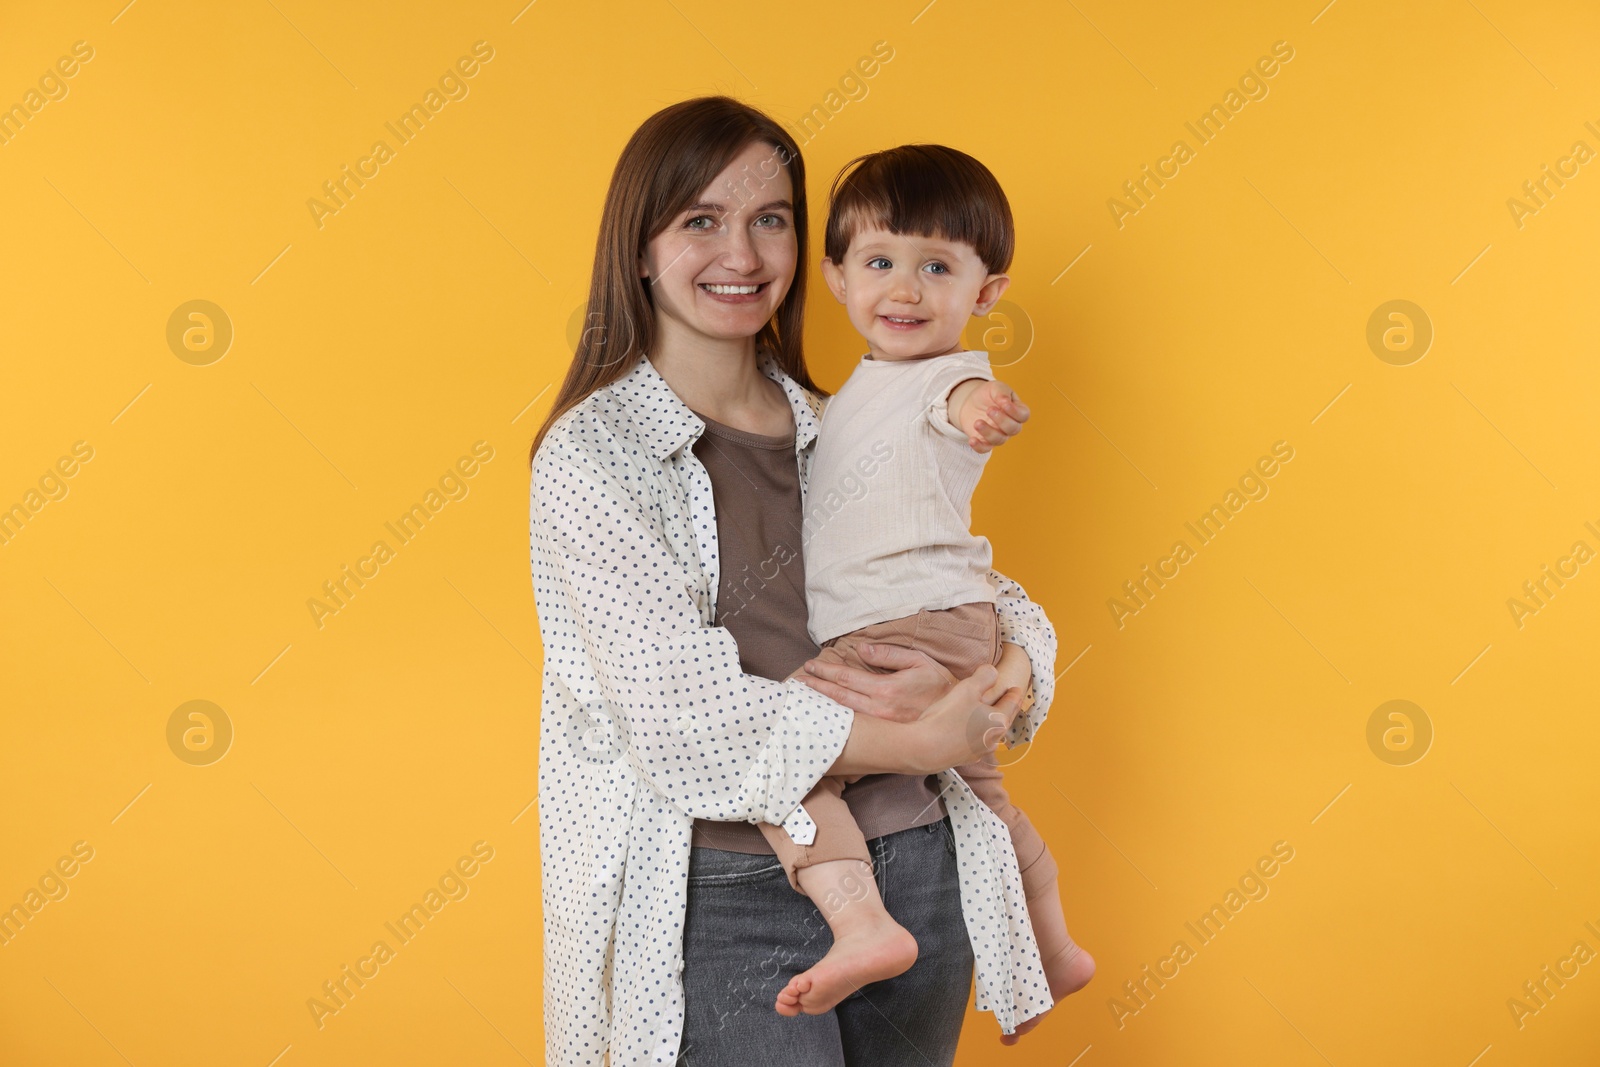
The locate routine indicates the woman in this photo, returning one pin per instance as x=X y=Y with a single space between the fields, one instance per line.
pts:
x=680 y=704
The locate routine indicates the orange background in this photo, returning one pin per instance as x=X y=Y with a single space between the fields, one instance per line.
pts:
x=432 y=311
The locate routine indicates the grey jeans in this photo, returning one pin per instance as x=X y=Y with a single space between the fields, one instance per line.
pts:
x=748 y=932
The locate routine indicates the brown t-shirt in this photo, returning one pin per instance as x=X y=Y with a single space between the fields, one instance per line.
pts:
x=761 y=599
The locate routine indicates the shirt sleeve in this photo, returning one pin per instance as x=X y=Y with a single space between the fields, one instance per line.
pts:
x=716 y=742
x=936 y=400
x=1023 y=622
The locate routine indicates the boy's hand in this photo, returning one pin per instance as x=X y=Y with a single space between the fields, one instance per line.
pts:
x=988 y=412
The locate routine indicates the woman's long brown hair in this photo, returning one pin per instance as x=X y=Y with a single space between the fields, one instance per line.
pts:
x=665 y=166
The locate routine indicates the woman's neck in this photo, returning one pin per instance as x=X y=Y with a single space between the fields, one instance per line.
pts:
x=719 y=378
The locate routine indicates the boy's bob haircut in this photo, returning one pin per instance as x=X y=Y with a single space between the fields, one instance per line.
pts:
x=921 y=190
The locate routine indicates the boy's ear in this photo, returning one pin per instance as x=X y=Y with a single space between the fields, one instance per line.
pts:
x=989 y=293
x=834 y=277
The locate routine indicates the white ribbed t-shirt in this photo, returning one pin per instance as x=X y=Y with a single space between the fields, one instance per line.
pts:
x=888 y=510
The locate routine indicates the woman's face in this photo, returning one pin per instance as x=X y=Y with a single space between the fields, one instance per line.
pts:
x=723 y=265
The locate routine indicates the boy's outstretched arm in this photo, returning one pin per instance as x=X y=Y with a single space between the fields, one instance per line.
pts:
x=988 y=412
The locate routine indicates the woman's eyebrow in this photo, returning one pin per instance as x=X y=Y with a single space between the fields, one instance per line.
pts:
x=717 y=206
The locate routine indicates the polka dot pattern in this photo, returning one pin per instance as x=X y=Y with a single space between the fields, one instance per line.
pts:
x=647 y=722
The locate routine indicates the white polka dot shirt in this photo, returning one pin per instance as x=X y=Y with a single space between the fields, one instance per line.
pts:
x=647 y=722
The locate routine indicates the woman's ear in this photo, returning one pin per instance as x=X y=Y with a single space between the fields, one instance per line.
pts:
x=989 y=293
x=834 y=277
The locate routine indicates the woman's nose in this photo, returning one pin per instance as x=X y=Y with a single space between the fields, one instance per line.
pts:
x=740 y=254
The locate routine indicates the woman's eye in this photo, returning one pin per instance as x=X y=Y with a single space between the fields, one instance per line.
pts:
x=772 y=222
x=700 y=218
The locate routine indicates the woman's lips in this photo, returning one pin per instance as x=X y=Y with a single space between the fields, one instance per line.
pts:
x=731 y=297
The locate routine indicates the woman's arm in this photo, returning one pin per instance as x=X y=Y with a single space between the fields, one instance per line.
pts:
x=962 y=724
x=713 y=740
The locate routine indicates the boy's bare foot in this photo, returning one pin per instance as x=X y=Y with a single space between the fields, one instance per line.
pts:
x=859 y=957
x=1068 y=971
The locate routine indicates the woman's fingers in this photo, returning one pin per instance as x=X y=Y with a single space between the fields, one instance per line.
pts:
x=893 y=657
x=1010 y=704
x=837 y=693
x=864 y=682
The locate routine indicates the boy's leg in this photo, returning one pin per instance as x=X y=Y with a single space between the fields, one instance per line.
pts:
x=963 y=638
x=835 y=871
x=1039 y=883
x=838 y=837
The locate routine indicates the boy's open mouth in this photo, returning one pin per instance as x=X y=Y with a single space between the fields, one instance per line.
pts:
x=896 y=322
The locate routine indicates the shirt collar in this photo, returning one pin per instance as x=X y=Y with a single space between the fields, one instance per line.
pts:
x=667 y=424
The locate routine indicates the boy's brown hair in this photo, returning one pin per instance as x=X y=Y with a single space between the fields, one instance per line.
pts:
x=921 y=190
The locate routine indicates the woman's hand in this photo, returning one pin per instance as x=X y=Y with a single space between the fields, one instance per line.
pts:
x=961 y=727
x=918 y=680
x=1016 y=670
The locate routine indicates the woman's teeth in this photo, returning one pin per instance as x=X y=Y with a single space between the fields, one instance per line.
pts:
x=732 y=290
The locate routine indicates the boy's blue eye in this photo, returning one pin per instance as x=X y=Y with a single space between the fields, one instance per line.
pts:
x=875 y=260
x=942 y=268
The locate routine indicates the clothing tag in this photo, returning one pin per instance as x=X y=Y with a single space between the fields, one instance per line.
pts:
x=799 y=827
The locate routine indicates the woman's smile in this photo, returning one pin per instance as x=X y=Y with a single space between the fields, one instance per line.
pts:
x=734 y=293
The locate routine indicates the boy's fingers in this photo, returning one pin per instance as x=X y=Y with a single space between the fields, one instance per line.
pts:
x=1005 y=423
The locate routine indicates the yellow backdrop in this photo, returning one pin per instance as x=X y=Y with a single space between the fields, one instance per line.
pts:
x=1298 y=290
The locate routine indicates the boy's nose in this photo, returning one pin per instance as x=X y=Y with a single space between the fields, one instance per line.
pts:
x=905 y=289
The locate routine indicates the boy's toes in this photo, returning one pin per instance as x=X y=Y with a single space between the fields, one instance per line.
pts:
x=788 y=1002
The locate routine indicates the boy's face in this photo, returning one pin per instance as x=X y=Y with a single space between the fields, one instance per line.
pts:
x=911 y=296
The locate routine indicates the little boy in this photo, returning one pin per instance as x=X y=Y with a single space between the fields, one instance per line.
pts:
x=918 y=239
